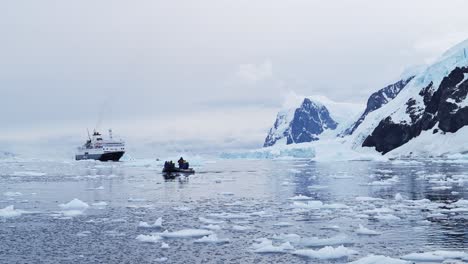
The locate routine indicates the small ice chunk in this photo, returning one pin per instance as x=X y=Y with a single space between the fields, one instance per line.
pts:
x=212 y=239
x=378 y=259
x=367 y=199
x=28 y=173
x=182 y=208
x=398 y=197
x=385 y=182
x=83 y=233
x=326 y=252
x=230 y=215
x=164 y=245
x=162 y=259
x=100 y=204
x=75 y=204
x=330 y=241
x=436 y=256
x=210 y=221
x=10 y=211
x=283 y=224
x=266 y=246
x=148 y=238
x=294 y=238
x=365 y=231
x=185 y=233
x=308 y=205
x=301 y=197
x=241 y=228
x=156 y=224
x=136 y=200
x=387 y=217
x=12 y=194
x=72 y=213
x=212 y=227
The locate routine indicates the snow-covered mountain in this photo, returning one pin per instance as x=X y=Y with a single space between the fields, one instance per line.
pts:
x=300 y=125
x=424 y=113
x=377 y=100
x=433 y=105
x=311 y=118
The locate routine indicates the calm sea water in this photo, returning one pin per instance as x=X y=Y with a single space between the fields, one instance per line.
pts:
x=246 y=201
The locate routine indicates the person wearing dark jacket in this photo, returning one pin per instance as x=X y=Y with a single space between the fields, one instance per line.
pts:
x=181 y=162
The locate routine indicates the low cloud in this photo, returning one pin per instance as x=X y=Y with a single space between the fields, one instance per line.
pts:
x=255 y=72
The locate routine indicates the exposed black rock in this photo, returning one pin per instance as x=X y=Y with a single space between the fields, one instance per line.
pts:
x=440 y=107
x=377 y=100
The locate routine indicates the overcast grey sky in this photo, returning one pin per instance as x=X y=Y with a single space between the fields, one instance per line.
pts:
x=214 y=69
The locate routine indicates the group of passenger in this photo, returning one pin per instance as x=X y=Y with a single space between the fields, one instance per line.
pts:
x=183 y=164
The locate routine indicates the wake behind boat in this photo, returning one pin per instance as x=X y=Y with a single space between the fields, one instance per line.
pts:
x=97 y=148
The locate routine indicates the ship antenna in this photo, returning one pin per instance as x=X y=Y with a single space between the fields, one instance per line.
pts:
x=88 y=134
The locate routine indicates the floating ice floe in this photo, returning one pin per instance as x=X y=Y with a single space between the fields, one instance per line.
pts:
x=28 y=173
x=211 y=227
x=72 y=213
x=399 y=197
x=186 y=233
x=149 y=238
x=301 y=197
x=436 y=256
x=266 y=246
x=162 y=259
x=385 y=182
x=210 y=221
x=136 y=200
x=387 y=217
x=317 y=187
x=314 y=205
x=156 y=224
x=164 y=245
x=326 y=252
x=293 y=238
x=294 y=171
x=182 y=208
x=365 y=231
x=12 y=194
x=241 y=228
x=329 y=241
x=283 y=224
x=10 y=211
x=83 y=233
x=100 y=204
x=230 y=215
x=379 y=259
x=212 y=239
x=97 y=188
x=367 y=199
x=75 y=204
x=73 y=208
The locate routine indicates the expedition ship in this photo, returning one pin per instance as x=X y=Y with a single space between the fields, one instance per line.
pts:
x=97 y=148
